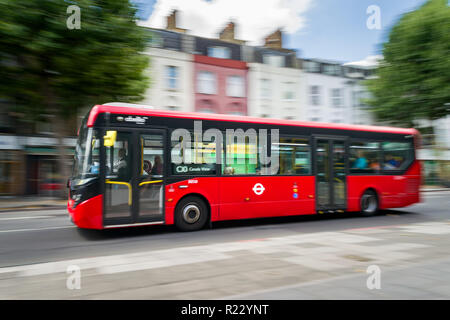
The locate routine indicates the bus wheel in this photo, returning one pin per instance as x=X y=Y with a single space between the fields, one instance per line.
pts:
x=191 y=214
x=369 y=203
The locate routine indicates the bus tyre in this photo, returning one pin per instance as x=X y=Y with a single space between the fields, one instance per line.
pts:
x=191 y=214
x=369 y=203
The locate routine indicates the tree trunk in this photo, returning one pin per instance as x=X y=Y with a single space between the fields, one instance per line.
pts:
x=60 y=130
x=60 y=134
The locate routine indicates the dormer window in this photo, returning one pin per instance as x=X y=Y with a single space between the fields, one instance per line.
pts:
x=312 y=66
x=273 y=60
x=219 y=52
x=332 y=70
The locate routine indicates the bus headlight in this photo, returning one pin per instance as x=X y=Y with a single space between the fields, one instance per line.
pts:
x=76 y=197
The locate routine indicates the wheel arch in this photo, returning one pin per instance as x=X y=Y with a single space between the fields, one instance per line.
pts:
x=198 y=195
x=371 y=188
x=375 y=191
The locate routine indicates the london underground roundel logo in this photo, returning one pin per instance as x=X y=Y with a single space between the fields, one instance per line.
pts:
x=258 y=189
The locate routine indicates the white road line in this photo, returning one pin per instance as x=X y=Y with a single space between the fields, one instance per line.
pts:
x=36 y=229
x=23 y=218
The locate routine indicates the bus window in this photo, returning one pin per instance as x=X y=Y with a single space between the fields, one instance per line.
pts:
x=294 y=155
x=197 y=157
x=364 y=157
x=397 y=155
x=241 y=158
x=87 y=154
x=152 y=155
x=118 y=163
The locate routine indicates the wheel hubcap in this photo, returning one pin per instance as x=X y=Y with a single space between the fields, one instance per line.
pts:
x=191 y=213
x=369 y=203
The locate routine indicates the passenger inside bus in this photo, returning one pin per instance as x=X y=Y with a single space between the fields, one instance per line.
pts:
x=360 y=162
x=373 y=164
x=157 y=166
x=120 y=166
x=147 y=168
x=228 y=170
x=391 y=162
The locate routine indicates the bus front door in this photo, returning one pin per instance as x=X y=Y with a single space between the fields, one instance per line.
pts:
x=331 y=168
x=134 y=177
x=118 y=162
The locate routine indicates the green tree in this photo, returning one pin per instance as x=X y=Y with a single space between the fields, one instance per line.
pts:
x=49 y=68
x=413 y=80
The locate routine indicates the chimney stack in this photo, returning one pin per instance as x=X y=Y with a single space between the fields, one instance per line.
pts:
x=274 y=40
x=172 y=22
x=227 y=34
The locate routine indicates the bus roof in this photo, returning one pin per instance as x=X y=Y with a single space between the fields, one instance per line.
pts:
x=143 y=110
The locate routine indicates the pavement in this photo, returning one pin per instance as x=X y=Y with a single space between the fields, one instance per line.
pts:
x=21 y=203
x=35 y=202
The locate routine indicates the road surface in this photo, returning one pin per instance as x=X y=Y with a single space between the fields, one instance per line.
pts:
x=407 y=252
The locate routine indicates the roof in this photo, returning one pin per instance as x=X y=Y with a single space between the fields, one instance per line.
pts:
x=149 y=111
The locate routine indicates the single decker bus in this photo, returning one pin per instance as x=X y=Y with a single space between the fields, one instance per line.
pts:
x=135 y=165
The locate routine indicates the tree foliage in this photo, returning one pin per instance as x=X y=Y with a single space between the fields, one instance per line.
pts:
x=413 y=80
x=46 y=68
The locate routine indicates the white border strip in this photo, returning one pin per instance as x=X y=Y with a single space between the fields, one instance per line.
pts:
x=133 y=224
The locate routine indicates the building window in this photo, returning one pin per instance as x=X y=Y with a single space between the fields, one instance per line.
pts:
x=314 y=95
x=273 y=60
x=235 y=86
x=312 y=66
x=219 y=52
x=156 y=41
x=336 y=98
x=171 y=77
x=332 y=69
x=235 y=108
x=206 y=106
x=205 y=110
x=206 y=82
x=289 y=91
x=266 y=89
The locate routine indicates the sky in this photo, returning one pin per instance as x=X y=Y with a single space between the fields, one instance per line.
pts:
x=325 y=29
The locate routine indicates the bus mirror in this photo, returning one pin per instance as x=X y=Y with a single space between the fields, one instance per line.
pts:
x=110 y=138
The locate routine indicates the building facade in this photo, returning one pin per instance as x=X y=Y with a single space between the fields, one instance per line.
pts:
x=335 y=93
x=170 y=75
x=275 y=80
x=220 y=85
x=170 y=70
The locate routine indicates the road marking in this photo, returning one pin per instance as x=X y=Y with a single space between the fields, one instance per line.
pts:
x=375 y=227
x=427 y=228
x=36 y=229
x=23 y=218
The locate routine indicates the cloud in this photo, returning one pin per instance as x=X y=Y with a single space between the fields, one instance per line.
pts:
x=254 y=19
x=368 y=62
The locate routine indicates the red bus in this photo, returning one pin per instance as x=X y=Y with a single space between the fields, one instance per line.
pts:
x=125 y=173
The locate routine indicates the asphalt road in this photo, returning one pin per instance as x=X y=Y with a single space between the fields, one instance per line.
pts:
x=309 y=257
